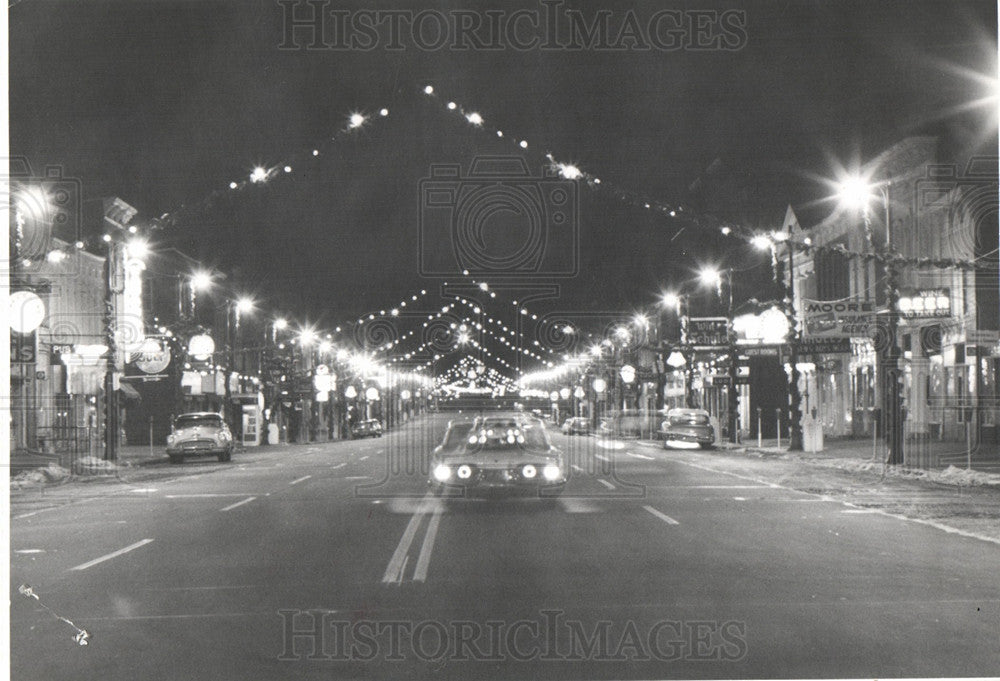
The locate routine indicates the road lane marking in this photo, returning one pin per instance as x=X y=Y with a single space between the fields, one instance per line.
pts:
x=605 y=483
x=662 y=516
x=27 y=551
x=424 y=559
x=205 y=496
x=818 y=497
x=113 y=554
x=394 y=570
x=363 y=458
x=739 y=498
x=601 y=457
x=302 y=479
x=356 y=477
x=576 y=468
x=230 y=507
x=339 y=465
x=640 y=456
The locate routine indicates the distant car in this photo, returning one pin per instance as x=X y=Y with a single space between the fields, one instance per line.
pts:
x=576 y=426
x=688 y=428
x=497 y=454
x=197 y=434
x=367 y=428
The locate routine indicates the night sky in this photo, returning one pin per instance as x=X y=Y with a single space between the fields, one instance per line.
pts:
x=162 y=103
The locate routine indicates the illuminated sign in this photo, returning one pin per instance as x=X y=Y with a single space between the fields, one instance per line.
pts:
x=926 y=304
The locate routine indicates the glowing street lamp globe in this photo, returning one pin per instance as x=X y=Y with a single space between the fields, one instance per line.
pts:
x=27 y=311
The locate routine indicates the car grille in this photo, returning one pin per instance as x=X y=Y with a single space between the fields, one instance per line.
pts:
x=198 y=444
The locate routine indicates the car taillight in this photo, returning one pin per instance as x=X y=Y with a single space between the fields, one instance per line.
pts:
x=529 y=471
x=551 y=472
x=442 y=472
x=464 y=472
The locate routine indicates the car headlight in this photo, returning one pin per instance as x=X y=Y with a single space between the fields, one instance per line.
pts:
x=551 y=472
x=529 y=471
x=171 y=438
x=442 y=472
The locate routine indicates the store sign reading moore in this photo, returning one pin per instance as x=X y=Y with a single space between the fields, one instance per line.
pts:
x=838 y=319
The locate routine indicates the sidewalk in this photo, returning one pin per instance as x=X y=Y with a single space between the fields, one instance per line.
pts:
x=931 y=456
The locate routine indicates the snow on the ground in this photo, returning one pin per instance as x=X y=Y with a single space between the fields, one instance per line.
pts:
x=40 y=476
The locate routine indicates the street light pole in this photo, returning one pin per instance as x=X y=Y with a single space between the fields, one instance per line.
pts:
x=732 y=394
x=892 y=375
x=887 y=356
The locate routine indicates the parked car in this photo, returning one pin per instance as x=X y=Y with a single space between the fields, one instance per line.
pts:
x=199 y=433
x=688 y=428
x=366 y=428
x=576 y=426
x=509 y=453
x=631 y=424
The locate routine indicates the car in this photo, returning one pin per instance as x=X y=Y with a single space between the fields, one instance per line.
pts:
x=688 y=428
x=199 y=433
x=576 y=426
x=366 y=428
x=497 y=454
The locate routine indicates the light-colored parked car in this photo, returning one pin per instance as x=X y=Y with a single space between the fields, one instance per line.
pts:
x=688 y=428
x=199 y=433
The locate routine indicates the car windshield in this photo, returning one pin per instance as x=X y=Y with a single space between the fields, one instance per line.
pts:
x=203 y=420
x=457 y=435
x=688 y=419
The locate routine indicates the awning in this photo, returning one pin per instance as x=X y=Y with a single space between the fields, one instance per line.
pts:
x=129 y=392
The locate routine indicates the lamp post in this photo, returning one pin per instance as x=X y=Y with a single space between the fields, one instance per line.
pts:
x=235 y=309
x=711 y=276
x=770 y=242
x=858 y=192
x=680 y=302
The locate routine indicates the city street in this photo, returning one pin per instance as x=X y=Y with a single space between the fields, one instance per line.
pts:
x=323 y=560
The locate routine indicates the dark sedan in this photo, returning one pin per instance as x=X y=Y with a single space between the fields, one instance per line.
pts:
x=687 y=428
x=495 y=454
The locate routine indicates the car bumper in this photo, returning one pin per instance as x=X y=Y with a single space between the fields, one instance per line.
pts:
x=689 y=437
x=177 y=450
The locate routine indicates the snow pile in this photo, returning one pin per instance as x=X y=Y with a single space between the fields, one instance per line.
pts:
x=39 y=476
x=93 y=466
x=961 y=476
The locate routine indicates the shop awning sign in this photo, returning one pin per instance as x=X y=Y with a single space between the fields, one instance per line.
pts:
x=838 y=319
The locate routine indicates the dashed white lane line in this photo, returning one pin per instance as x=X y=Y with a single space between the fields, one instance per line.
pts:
x=298 y=480
x=576 y=468
x=363 y=458
x=339 y=465
x=230 y=507
x=424 y=559
x=113 y=554
x=662 y=516
x=601 y=457
x=739 y=498
x=605 y=483
x=640 y=456
x=205 y=496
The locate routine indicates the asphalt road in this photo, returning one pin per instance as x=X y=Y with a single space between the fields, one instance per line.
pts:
x=331 y=561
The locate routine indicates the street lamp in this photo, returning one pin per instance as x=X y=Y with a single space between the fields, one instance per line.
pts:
x=769 y=242
x=199 y=281
x=857 y=191
x=712 y=276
